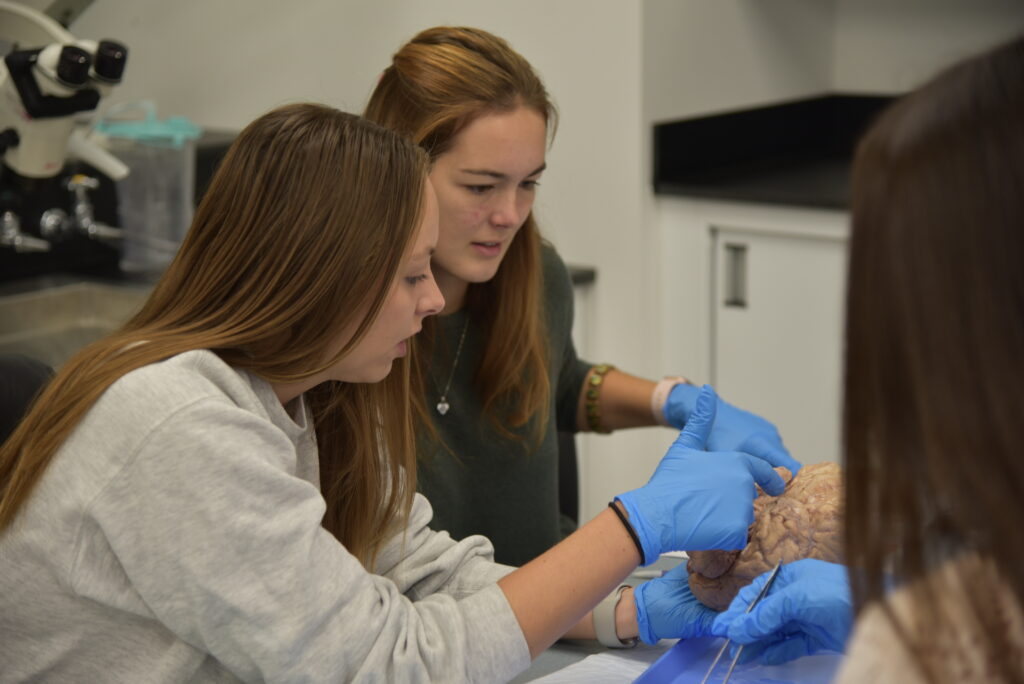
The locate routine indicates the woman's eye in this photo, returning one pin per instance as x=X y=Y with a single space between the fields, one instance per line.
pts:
x=412 y=280
x=530 y=184
x=479 y=189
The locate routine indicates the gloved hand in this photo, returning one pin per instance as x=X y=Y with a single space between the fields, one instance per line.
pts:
x=734 y=430
x=698 y=500
x=667 y=609
x=808 y=609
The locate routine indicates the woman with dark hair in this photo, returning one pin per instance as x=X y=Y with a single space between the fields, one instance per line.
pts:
x=499 y=375
x=934 y=401
x=224 y=489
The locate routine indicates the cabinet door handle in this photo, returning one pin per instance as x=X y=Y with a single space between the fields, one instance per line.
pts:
x=736 y=275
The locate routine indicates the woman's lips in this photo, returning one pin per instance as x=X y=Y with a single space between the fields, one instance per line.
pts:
x=487 y=249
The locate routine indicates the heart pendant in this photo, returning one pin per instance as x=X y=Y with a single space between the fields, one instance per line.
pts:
x=442 y=407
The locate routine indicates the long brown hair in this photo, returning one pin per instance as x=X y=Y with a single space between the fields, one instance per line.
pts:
x=934 y=377
x=436 y=85
x=305 y=222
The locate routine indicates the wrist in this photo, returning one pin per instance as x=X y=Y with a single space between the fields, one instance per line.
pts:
x=622 y=514
x=592 y=398
x=645 y=630
x=659 y=397
x=625 y=616
x=644 y=537
x=680 y=403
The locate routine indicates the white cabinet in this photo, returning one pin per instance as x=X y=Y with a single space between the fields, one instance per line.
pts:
x=754 y=305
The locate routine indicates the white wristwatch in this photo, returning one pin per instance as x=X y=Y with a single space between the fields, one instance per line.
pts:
x=604 y=621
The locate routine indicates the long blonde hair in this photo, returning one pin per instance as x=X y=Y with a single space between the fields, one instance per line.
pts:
x=436 y=85
x=305 y=222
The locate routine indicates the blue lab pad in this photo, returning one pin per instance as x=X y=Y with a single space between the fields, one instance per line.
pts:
x=689 y=660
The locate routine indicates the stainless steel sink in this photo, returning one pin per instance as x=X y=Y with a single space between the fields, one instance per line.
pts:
x=53 y=323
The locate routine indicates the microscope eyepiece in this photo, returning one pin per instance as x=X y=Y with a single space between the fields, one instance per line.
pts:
x=73 y=66
x=110 y=60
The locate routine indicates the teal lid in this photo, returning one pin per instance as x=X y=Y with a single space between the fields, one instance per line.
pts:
x=173 y=131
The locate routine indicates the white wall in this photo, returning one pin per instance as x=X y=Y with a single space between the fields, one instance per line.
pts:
x=890 y=46
x=710 y=56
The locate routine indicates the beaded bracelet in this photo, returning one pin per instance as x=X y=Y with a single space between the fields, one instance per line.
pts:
x=593 y=396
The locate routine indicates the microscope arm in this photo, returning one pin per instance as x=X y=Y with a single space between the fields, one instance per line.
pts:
x=30 y=28
x=81 y=147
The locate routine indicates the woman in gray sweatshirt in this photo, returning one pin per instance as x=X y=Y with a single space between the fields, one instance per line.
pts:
x=224 y=489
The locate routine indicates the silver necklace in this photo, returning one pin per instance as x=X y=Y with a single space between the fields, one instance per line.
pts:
x=442 y=402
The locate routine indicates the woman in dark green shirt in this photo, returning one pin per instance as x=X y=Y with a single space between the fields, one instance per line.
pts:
x=497 y=375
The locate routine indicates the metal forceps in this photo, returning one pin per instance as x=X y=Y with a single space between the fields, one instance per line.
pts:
x=757 y=599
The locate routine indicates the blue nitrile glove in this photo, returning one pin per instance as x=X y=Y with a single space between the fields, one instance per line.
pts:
x=808 y=609
x=735 y=429
x=698 y=500
x=667 y=609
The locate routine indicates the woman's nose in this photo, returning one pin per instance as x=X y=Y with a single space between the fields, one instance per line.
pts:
x=433 y=302
x=508 y=212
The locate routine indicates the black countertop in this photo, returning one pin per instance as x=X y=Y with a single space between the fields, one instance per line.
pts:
x=795 y=153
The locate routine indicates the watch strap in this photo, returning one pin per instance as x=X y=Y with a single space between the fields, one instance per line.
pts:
x=604 y=621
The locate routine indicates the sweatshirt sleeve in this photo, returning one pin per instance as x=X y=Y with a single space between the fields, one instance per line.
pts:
x=423 y=561
x=223 y=545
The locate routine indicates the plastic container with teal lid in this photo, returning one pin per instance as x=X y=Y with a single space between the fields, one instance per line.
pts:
x=155 y=199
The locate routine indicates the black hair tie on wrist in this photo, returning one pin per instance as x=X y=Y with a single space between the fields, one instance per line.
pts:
x=629 y=528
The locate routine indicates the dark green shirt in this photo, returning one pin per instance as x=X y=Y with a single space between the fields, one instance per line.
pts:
x=489 y=484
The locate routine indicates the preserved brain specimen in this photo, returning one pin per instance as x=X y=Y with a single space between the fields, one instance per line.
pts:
x=805 y=521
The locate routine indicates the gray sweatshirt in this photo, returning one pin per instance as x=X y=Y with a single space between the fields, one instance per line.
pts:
x=176 y=537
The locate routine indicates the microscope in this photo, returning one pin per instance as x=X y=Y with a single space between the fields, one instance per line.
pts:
x=58 y=206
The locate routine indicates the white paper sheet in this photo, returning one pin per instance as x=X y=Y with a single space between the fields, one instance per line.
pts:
x=611 y=667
